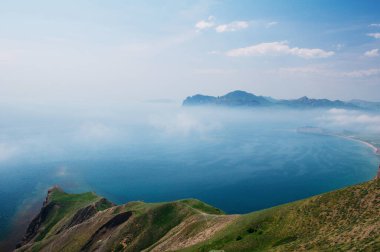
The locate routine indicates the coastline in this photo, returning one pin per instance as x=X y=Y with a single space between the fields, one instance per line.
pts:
x=321 y=131
x=19 y=223
x=375 y=149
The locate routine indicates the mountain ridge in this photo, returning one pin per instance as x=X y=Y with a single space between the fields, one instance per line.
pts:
x=239 y=98
x=345 y=219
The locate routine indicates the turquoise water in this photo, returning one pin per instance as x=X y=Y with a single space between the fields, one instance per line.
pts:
x=239 y=161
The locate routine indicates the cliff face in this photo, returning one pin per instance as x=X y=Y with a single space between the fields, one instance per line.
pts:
x=87 y=222
x=35 y=226
x=347 y=219
x=61 y=211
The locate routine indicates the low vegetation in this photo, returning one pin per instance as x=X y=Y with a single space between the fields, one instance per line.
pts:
x=347 y=219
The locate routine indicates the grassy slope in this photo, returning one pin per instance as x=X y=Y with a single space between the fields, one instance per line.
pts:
x=149 y=223
x=340 y=220
x=347 y=219
x=65 y=206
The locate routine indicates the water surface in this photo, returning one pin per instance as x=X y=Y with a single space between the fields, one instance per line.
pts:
x=237 y=160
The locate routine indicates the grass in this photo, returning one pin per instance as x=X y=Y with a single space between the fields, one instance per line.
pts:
x=347 y=219
x=60 y=197
x=151 y=223
x=339 y=220
x=201 y=206
x=64 y=206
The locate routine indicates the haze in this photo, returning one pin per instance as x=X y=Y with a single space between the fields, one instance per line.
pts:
x=97 y=52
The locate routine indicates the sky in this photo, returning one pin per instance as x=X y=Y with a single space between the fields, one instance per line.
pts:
x=117 y=51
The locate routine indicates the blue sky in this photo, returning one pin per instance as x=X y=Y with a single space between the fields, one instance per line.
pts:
x=106 y=51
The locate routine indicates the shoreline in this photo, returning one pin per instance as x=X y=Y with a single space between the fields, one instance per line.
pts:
x=320 y=131
x=20 y=222
x=374 y=148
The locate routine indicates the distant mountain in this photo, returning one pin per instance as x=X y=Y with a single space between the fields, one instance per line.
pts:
x=244 y=99
x=305 y=102
x=235 y=98
x=366 y=104
x=200 y=100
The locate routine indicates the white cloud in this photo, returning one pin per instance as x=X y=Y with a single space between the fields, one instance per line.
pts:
x=372 y=53
x=374 y=25
x=233 y=26
x=270 y=24
x=279 y=48
x=375 y=35
x=205 y=24
x=362 y=73
x=350 y=119
x=183 y=124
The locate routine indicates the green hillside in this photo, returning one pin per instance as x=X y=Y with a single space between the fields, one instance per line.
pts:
x=347 y=219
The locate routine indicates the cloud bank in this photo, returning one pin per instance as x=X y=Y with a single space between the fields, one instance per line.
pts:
x=183 y=124
x=221 y=28
x=362 y=73
x=271 y=24
x=205 y=24
x=372 y=53
x=233 y=26
x=279 y=48
x=375 y=35
x=353 y=120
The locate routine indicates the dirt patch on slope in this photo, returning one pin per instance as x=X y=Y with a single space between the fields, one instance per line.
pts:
x=193 y=230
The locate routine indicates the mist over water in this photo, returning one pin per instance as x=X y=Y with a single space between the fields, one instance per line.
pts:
x=239 y=160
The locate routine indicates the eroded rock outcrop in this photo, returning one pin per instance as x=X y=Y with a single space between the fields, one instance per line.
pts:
x=35 y=226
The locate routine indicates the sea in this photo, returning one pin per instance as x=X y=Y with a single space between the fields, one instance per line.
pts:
x=237 y=159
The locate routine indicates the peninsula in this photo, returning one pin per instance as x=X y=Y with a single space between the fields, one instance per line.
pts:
x=346 y=219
